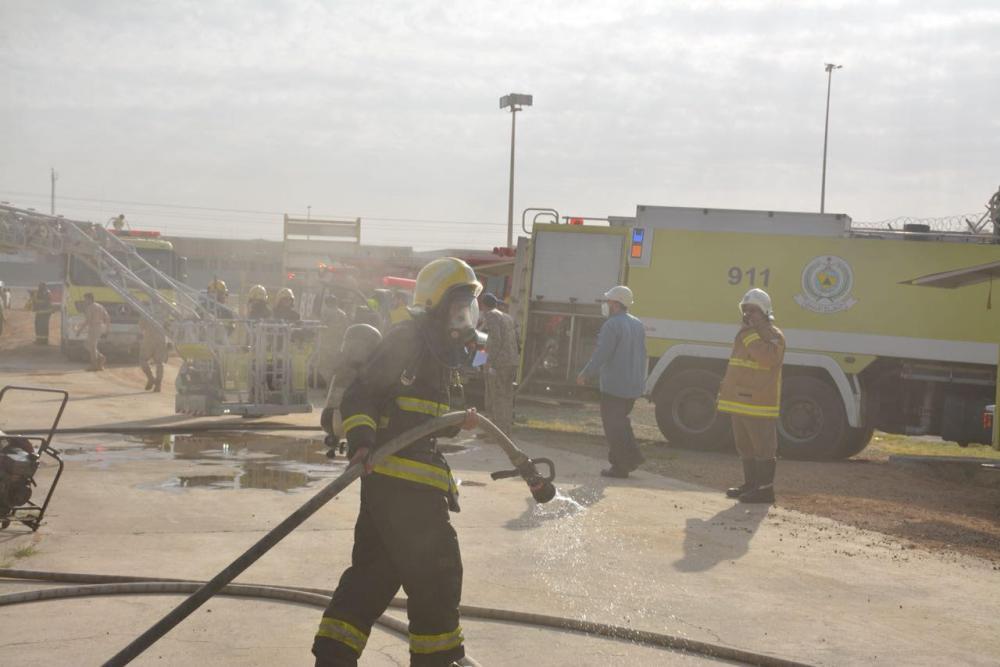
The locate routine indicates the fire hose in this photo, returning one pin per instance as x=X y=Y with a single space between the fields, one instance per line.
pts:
x=101 y=584
x=541 y=488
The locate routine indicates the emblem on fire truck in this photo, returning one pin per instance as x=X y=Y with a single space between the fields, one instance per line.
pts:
x=827 y=282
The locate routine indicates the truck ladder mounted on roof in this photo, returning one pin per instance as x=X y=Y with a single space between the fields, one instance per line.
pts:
x=230 y=366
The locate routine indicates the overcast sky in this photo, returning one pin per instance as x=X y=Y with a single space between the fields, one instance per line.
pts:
x=390 y=110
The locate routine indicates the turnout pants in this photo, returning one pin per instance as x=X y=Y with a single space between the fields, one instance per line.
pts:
x=756 y=437
x=403 y=537
x=623 y=451
x=500 y=396
x=42 y=328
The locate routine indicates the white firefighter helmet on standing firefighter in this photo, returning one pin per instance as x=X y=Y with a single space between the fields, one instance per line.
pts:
x=621 y=294
x=759 y=298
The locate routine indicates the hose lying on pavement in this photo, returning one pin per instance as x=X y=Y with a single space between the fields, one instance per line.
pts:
x=541 y=488
x=99 y=584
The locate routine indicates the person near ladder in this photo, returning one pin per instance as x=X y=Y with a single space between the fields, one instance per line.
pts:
x=97 y=322
x=152 y=347
x=751 y=394
x=403 y=535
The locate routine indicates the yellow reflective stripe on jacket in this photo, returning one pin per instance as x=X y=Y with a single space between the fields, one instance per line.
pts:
x=411 y=404
x=748 y=409
x=751 y=338
x=343 y=632
x=446 y=641
x=354 y=421
x=415 y=471
x=748 y=363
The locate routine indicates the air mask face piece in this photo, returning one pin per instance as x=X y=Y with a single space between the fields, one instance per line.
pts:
x=605 y=309
x=463 y=316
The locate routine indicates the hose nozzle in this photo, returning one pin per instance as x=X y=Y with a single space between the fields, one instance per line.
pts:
x=542 y=489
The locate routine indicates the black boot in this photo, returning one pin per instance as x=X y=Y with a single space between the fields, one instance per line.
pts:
x=748 y=480
x=764 y=492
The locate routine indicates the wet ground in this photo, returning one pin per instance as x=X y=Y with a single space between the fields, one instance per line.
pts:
x=225 y=460
x=652 y=552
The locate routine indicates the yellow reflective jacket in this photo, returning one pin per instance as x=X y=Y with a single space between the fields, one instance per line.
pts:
x=401 y=386
x=752 y=384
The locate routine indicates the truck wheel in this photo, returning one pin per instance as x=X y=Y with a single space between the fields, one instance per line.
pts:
x=813 y=422
x=855 y=440
x=685 y=410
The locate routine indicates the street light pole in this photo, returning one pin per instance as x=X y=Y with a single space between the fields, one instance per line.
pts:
x=826 y=133
x=510 y=192
x=52 y=196
x=515 y=101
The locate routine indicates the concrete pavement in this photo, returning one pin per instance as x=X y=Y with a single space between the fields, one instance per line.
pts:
x=649 y=552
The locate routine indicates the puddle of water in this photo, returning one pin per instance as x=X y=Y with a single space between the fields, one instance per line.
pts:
x=241 y=460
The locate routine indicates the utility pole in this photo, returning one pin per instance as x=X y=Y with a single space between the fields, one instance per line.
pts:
x=515 y=101
x=826 y=132
x=52 y=199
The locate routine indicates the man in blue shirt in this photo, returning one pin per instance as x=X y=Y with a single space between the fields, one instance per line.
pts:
x=620 y=363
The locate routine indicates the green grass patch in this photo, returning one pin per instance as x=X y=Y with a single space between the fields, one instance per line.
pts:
x=889 y=443
x=10 y=557
x=26 y=551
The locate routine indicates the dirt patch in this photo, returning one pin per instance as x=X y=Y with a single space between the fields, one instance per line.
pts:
x=917 y=506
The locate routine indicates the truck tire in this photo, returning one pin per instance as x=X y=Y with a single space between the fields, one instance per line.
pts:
x=855 y=440
x=813 y=423
x=685 y=410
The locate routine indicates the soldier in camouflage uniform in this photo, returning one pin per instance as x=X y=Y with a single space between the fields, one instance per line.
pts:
x=501 y=363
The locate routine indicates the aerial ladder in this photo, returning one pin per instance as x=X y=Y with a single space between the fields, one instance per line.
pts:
x=230 y=366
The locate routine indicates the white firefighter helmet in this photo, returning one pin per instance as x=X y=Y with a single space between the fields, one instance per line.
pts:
x=621 y=294
x=284 y=293
x=759 y=298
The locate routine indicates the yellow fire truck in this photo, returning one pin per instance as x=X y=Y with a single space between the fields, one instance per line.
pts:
x=866 y=348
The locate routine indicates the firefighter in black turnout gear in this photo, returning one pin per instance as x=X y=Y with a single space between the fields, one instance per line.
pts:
x=403 y=536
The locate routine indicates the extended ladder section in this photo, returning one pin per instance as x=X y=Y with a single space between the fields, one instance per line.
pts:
x=230 y=366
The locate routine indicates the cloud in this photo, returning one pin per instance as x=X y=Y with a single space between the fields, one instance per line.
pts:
x=390 y=109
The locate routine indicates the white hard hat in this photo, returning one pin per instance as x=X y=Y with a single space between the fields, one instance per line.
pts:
x=621 y=294
x=758 y=297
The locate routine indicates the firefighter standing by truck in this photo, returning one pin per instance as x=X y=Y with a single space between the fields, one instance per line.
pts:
x=403 y=535
x=751 y=394
x=41 y=303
